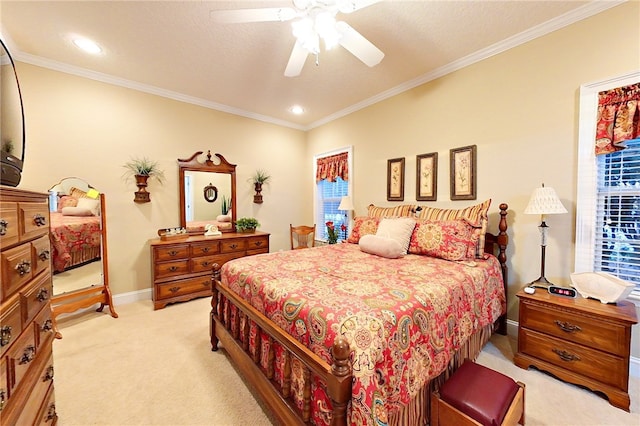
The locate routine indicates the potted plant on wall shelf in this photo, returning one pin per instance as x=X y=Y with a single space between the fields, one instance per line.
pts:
x=247 y=224
x=259 y=178
x=142 y=169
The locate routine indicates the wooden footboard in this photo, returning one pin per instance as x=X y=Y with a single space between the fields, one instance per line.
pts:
x=336 y=376
x=232 y=331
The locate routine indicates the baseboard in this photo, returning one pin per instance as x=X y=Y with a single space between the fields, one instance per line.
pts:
x=634 y=362
x=132 y=296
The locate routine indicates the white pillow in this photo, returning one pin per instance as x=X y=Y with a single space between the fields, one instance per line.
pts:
x=399 y=229
x=91 y=204
x=76 y=211
x=223 y=218
x=381 y=246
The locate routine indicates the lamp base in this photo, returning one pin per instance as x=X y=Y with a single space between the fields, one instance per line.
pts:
x=541 y=282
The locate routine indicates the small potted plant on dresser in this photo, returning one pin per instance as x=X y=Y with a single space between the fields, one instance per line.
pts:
x=142 y=169
x=247 y=224
x=259 y=178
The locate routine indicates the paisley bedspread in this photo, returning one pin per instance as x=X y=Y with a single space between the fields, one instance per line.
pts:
x=71 y=235
x=403 y=318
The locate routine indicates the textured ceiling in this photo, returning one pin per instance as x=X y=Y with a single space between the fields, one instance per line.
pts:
x=175 y=48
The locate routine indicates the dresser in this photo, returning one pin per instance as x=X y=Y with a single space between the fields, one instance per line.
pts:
x=26 y=330
x=581 y=341
x=181 y=269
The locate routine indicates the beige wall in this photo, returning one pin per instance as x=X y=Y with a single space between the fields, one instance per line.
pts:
x=519 y=107
x=521 y=110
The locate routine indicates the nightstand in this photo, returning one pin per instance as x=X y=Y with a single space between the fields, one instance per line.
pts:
x=578 y=340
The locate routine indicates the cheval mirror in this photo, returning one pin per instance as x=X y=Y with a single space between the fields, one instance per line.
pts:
x=207 y=193
x=79 y=248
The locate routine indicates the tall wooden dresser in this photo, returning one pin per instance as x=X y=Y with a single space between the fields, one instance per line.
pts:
x=26 y=330
x=181 y=269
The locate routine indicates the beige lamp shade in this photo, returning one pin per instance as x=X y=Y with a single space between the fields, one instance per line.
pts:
x=346 y=204
x=544 y=201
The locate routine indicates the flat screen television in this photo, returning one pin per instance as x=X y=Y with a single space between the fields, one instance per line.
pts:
x=12 y=137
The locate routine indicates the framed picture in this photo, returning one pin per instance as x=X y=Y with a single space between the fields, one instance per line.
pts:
x=427 y=177
x=463 y=173
x=395 y=179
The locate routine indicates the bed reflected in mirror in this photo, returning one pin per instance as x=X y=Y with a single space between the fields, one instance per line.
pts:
x=78 y=246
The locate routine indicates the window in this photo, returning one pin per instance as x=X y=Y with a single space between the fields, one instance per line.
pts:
x=327 y=199
x=608 y=199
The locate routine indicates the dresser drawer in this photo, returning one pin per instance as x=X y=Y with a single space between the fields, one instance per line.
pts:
x=48 y=415
x=16 y=269
x=184 y=287
x=32 y=412
x=10 y=323
x=20 y=357
x=4 y=382
x=592 y=332
x=603 y=367
x=228 y=246
x=171 y=269
x=205 y=249
x=203 y=263
x=34 y=218
x=174 y=252
x=35 y=297
x=41 y=254
x=258 y=244
x=9 y=229
x=44 y=328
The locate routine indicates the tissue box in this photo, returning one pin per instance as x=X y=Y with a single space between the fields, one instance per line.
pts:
x=602 y=286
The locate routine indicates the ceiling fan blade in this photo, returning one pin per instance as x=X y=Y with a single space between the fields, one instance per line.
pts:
x=268 y=14
x=359 y=46
x=348 y=6
x=296 y=61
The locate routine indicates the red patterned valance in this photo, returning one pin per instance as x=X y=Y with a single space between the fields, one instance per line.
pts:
x=618 y=118
x=332 y=167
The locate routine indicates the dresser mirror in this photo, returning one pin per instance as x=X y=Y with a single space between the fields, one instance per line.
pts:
x=79 y=248
x=207 y=193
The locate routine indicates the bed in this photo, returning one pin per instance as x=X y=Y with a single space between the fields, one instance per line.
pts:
x=76 y=233
x=345 y=334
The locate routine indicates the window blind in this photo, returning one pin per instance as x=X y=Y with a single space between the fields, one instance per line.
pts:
x=329 y=195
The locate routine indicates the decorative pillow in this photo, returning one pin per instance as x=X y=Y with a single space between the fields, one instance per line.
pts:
x=446 y=239
x=405 y=210
x=477 y=216
x=399 y=229
x=77 y=193
x=381 y=246
x=76 y=211
x=67 y=201
x=91 y=204
x=363 y=226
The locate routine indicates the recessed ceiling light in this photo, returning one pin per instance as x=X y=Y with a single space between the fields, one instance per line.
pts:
x=297 y=110
x=87 y=45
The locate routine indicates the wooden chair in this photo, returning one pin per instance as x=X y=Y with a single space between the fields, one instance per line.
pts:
x=302 y=236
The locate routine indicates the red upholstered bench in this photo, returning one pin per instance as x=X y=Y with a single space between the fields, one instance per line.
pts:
x=477 y=395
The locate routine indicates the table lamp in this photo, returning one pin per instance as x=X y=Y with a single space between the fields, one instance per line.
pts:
x=346 y=205
x=543 y=201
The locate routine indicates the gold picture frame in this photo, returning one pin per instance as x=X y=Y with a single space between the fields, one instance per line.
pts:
x=395 y=179
x=427 y=177
x=463 y=172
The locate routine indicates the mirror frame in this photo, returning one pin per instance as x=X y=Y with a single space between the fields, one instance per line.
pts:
x=192 y=164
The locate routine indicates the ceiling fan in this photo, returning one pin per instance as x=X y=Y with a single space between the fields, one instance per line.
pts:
x=312 y=21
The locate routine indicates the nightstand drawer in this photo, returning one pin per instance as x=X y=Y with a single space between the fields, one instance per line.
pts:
x=593 y=332
x=600 y=366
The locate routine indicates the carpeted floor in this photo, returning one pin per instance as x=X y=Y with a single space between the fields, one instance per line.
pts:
x=156 y=368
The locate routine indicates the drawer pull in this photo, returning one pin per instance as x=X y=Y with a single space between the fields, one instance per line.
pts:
x=44 y=255
x=567 y=327
x=47 y=326
x=174 y=289
x=23 y=267
x=233 y=246
x=5 y=335
x=3 y=226
x=566 y=356
x=39 y=220
x=48 y=375
x=205 y=263
x=43 y=294
x=28 y=355
x=2 y=398
x=258 y=243
x=206 y=249
x=206 y=283
x=173 y=268
x=51 y=414
x=173 y=253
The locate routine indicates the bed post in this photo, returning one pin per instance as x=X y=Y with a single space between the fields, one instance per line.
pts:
x=502 y=240
x=339 y=384
x=215 y=277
